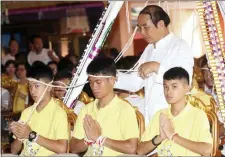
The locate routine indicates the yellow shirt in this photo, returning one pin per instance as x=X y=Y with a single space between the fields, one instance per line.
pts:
x=51 y=122
x=117 y=120
x=191 y=123
x=20 y=98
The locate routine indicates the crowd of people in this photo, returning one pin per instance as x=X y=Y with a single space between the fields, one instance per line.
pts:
x=108 y=125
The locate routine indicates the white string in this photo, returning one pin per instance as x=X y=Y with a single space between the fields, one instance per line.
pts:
x=39 y=100
x=100 y=76
x=128 y=44
x=127 y=16
x=56 y=86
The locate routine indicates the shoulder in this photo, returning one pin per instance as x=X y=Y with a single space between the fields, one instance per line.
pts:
x=124 y=105
x=59 y=107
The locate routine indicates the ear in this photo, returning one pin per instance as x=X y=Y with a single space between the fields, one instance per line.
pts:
x=160 y=24
x=187 y=88
x=112 y=80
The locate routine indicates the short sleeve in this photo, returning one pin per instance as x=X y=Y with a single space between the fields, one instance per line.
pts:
x=61 y=127
x=79 y=132
x=129 y=125
x=204 y=130
x=152 y=129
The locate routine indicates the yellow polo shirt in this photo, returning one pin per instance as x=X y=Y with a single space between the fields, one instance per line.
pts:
x=51 y=123
x=117 y=120
x=192 y=123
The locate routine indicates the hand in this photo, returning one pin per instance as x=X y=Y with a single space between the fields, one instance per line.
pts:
x=162 y=133
x=146 y=68
x=50 y=53
x=166 y=125
x=92 y=128
x=20 y=130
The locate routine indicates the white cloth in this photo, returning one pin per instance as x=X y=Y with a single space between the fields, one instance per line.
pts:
x=136 y=100
x=43 y=56
x=78 y=107
x=170 y=51
x=7 y=58
x=5 y=98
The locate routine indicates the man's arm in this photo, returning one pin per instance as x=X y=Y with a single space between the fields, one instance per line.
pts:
x=201 y=148
x=53 y=56
x=57 y=146
x=128 y=146
x=77 y=146
x=16 y=146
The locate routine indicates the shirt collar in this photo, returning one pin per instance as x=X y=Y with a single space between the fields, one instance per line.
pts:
x=164 y=40
x=182 y=113
x=109 y=105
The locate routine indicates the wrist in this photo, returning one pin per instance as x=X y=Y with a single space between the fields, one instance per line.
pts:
x=156 y=140
x=172 y=136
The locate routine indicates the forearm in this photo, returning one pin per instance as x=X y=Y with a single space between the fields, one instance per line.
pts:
x=201 y=148
x=77 y=146
x=16 y=146
x=146 y=147
x=127 y=147
x=54 y=58
x=57 y=146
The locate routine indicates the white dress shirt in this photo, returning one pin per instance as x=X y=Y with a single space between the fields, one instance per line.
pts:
x=7 y=58
x=43 y=56
x=170 y=51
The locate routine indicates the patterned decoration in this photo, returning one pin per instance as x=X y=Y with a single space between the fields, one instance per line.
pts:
x=215 y=47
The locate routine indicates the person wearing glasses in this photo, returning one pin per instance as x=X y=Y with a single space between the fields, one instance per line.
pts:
x=164 y=51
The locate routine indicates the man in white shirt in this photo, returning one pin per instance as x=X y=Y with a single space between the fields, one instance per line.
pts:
x=40 y=53
x=14 y=49
x=164 y=51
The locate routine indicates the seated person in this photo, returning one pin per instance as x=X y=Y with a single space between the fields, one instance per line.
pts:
x=63 y=78
x=107 y=126
x=43 y=127
x=21 y=97
x=181 y=129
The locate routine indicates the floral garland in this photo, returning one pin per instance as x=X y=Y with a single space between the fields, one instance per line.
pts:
x=215 y=48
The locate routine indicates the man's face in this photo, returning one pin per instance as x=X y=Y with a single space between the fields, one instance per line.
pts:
x=21 y=71
x=101 y=87
x=14 y=47
x=37 y=89
x=174 y=90
x=149 y=31
x=208 y=79
x=38 y=45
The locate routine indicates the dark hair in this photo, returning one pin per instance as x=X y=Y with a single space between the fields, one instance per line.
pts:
x=41 y=72
x=25 y=64
x=102 y=66
x=38 y=63
x=35 y=37
x=52 y=62
x=9 y=62
x=127 y=62
x=176 y=73
x=62 y=75
x=66 y=64
x=156 y=14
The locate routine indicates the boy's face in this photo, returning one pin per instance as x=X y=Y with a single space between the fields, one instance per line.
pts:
x=60 y=92
x=101 y=87
x=175 y=90
x=37 y=89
